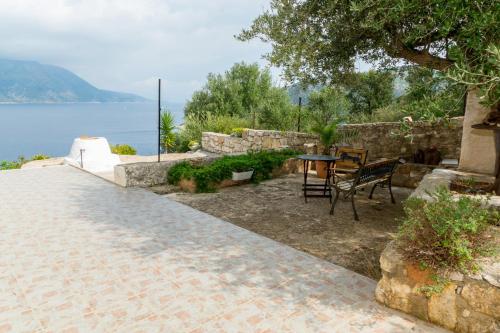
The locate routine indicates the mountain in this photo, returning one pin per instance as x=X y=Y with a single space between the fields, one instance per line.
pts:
x=32 y=82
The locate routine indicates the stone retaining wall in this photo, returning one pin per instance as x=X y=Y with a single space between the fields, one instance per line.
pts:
x=466 y=304
x=387 y=139
x=145 y=174
x=255 y=140
x=410 y=174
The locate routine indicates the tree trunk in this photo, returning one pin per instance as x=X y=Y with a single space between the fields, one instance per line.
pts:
x=479 y=147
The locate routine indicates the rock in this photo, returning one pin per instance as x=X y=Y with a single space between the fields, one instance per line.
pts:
x=442 y=307
x=482 y=298
x=464 y=304
x=391 y=259
x=474 y=322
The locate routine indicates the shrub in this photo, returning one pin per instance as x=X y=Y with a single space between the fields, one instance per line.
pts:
x=207 y=177
x=39 y=157
x=167 y=134
x=445 y=232
x=9 y=165
x=238 y=132
x=123 y=149
x=194 y=127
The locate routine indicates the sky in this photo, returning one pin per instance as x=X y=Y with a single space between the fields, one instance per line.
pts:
x=126 y=45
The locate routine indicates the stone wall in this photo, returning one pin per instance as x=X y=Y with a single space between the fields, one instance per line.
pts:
x=466 y=304
x=255 y=140
x=387 y=139
x=144 y=174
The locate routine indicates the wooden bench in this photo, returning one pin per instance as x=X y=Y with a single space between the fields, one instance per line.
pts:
x=377 y=174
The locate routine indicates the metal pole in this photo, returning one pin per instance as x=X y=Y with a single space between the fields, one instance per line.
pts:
x=159 y=118
x=300 y=107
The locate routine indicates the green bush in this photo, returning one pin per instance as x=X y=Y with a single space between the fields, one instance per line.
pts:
x=446 y=232
x=8 y=165
x=194 y=127
x=208 y=176
x=39 y=157
x=123 y=149
x=238 y=132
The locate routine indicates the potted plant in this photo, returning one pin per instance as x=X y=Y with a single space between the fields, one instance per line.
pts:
x=242 y=173
x=327 y=135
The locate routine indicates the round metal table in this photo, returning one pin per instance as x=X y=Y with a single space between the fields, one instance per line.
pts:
x=326 y=188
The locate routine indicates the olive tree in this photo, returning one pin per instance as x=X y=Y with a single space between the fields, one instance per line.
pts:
x=321 y=40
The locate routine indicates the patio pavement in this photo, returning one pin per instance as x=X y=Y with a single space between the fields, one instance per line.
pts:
x=79 y=254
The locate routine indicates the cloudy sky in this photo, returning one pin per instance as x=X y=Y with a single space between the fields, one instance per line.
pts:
x=125 y=45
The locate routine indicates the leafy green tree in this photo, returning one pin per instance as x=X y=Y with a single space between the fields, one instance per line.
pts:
x=319 y=41
x=244 y=91
x=431 y=94
x=370 y=90
x=327 y=106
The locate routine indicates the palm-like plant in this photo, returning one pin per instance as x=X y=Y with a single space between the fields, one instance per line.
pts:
x=167 y=134
x=328 y=135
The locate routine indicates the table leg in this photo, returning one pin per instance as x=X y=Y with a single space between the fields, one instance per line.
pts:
x=305 y=180
x=328 y=186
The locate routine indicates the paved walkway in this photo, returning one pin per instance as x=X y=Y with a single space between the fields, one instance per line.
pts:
x=78 y=254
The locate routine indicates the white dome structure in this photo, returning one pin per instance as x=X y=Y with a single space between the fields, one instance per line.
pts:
x=92 y=154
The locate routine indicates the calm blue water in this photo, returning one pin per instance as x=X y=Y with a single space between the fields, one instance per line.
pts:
x=28 y=129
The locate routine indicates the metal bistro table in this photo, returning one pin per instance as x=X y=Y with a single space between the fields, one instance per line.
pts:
x=326 y=188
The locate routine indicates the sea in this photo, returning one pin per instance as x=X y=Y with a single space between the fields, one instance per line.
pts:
x=29 y=129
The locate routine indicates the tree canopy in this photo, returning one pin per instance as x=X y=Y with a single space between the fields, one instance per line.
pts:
x=245 y=91
x=320 y=40
x=370 y=90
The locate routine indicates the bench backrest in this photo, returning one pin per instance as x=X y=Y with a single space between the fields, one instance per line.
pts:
x=376 y=170
x=360 y=155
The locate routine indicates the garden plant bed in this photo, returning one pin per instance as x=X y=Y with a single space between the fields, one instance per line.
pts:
x=276 y=209
x=470 y=186
x=228 y=170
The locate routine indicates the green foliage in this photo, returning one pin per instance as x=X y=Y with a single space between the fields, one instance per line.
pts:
x=39 y=157
x=328 y=135
x=326 y=106
x=238 y=132
x=207 y=177
x=370 y=90
x=429 y=96
x=244 y=92
x=193 y=127
x=167 y=128
x=9 y=165
x=445 y=232
x=320 y=41
x=436 y=288
x=123 y=149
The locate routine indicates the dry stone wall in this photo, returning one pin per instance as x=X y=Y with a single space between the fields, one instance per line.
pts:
x=392 y=140
x=467 y=304
x=255 y=140
x=145 y=174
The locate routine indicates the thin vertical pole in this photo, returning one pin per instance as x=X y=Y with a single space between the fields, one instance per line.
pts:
x=300 y=107
x=159 y=118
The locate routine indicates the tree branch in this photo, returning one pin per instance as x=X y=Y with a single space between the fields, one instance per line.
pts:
x=421 y=57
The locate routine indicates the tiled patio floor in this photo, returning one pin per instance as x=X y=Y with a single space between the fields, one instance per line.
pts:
x=78 y=254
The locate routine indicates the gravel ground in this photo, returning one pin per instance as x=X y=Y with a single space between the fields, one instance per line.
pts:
x=276 y=209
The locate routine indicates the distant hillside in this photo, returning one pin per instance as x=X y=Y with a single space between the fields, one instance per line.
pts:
x=32 y=82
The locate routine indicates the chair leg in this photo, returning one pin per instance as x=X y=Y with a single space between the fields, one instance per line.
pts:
x=356 y=218
x=390 y=191
x=371 y=192
x=337 y=194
